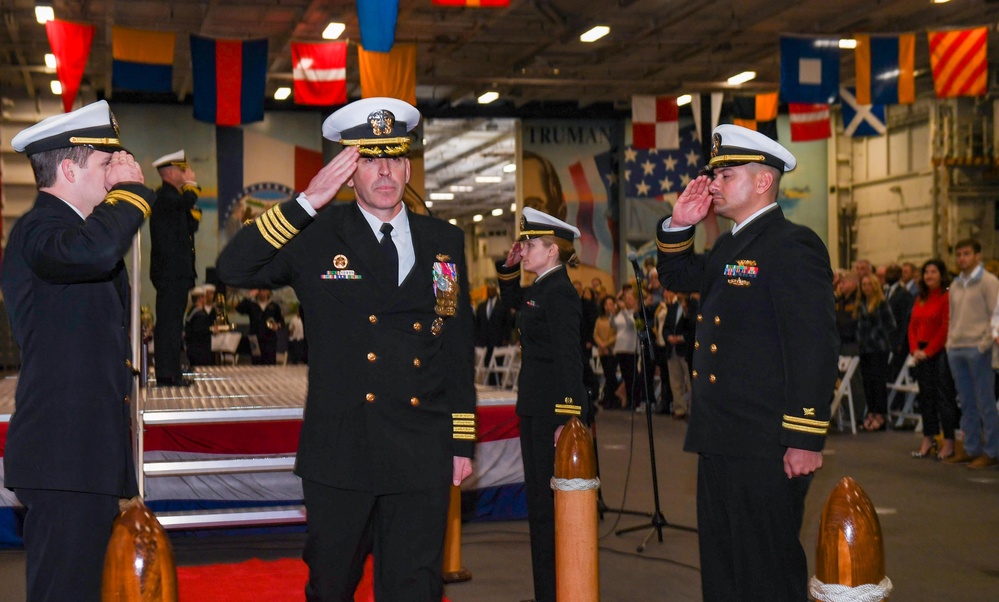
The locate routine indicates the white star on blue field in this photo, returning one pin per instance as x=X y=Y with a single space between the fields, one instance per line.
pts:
x=652 y=173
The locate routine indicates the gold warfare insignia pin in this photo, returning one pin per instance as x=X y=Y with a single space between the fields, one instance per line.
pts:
x=340 y=262
x=443 y=257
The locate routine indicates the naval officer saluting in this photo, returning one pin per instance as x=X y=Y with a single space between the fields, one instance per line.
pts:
x=69 y=453
x=390 y=417
x=765 y=364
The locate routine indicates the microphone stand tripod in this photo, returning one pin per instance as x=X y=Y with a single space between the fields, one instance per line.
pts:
x=645 y=343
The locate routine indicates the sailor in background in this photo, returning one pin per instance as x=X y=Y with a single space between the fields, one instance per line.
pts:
x=764 y=367
x=172 y=226
x=551 y=388
x=68 y=454
x=198 y=329
x=390 y=418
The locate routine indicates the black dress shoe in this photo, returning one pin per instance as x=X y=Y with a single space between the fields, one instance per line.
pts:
x=174 y=381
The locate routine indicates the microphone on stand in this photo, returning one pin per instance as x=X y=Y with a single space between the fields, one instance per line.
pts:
x=633 y=258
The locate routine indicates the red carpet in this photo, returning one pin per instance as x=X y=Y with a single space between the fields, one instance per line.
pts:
x=256 y=580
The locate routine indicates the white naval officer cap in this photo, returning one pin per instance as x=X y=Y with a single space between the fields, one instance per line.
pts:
x=197 y=291
x=378 y=127
x=736 y=145
x=534 y=224
x=177 y=159
x=93 y=125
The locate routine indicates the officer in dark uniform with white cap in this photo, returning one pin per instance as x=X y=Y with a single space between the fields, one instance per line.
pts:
x=172 y=225
x=764 y=367
x=551 y=388
x=390 y=418
x=68 y=455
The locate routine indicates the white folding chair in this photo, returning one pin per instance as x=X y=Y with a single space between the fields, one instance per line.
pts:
x=480 y=365
x=501 y=364
x=847 y=366
x=905 y=383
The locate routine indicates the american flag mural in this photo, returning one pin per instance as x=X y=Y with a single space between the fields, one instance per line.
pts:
x=662 y=174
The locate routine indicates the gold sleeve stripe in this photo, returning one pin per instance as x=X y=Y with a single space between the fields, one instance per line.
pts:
x=568 y=410
x=806 y=421
x=273 y=219
x=511 y=276
x=457 y=415
x=280 y=220
x=129 y=197
x=805 y=429
x=464 y=429
x=674 y=247
x=266 y=234
x=458 y=423
x=464 y=437
x=190 y=188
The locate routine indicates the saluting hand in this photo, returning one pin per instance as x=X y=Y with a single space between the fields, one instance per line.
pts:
x=331 y=177
x=515 y=255
x=692 y=205
x=122 y=169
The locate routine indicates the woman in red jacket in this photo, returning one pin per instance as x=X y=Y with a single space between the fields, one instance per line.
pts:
x=927 y=336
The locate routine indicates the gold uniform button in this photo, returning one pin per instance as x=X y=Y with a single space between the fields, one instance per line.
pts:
x=717 y=320
x=370 y=397
x=128 y=363
x=417 y=326
x=700 y=318
x=372 y=357
x=712 y=378
x=414 y=401
x=127 y=399
x=714 y=348
x=373 y=319
x=694 y=374
x=697 y=344
x=416 y=362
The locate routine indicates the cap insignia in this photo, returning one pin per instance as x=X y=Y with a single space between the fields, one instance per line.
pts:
x=381 y=122
x=716 y=142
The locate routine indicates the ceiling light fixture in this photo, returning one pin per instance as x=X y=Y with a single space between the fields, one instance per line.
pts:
x=44 y=13
x=442 y=196
x=742 y=78
x=56 y=87
x=458 y=188
x=282 y=93
x=50 y=60
x=488 y=179
x=513 y=207
x=477 y=217
x=333 y=31
x=940 y=1
x=510 y=168
x=453 y=221
x=429 y=204
x=488 y=97
x=683 y=100
x=847 y=43
x=497 y=211
x=595 y=34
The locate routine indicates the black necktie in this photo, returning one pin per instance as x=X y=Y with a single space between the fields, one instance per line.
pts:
x=390 y=253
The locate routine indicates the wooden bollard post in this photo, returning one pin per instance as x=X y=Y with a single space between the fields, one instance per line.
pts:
x=138 y=566
x=453 y=571
x=850 y=557
x=575 y=483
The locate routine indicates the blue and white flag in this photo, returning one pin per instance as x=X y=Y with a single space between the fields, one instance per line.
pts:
x=861 y=120
x=809 y=69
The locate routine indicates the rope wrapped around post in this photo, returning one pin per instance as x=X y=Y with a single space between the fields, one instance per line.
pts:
x=850 y=556
x=575 y=484
x=139 y=565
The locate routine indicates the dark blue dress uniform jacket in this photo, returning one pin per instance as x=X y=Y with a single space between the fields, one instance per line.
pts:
x=766 y=346
x=171 y=231
x=390 y=400
x=67 y=295
x=551 y=373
